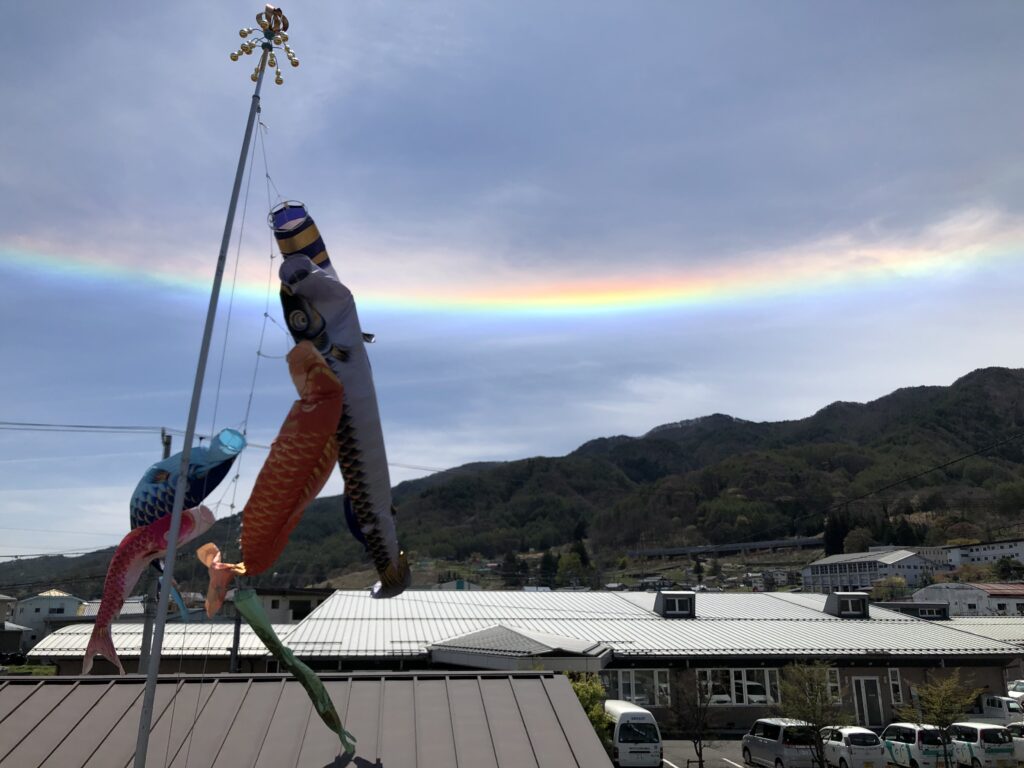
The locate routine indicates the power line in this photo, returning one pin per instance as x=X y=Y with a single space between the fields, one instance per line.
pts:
x=32 y=426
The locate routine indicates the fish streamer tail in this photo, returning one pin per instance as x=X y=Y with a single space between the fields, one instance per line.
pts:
x=101 y=644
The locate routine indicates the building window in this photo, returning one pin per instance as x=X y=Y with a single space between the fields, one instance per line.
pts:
x=835 y=690
x=646 y=687
x=895 y=687
x=1020 y=608
x=37 y=610
x=677 y=605
x=749 y=687
x=59 y=609
x=1001 y=607
x=851 y=605
x=274 y=604
x=929 y=613
x=972 y=606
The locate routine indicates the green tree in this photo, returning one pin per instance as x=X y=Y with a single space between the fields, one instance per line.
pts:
x=806 y=694
x=698 y=572
x=548 y=569
x=714 y=567
x=571 y=571
x=1008 y=569
x=591 y=694
x=940 y=702
x=690 y=708
x=889 y=588
x=858 y=540
x=513 y=570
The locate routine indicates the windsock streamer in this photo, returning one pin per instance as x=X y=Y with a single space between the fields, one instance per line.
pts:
x=207 y=467
x=299 y=463
x=252 y=611
x=320 y=309
x=136 y=550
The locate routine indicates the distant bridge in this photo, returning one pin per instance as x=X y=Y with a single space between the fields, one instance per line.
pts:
x=809 y=542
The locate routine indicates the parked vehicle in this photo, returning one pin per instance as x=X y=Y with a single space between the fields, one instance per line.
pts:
x=982 y=745
x=850 y=746
x=778 y=742
x=636 y=740
x=1001 y=710
x=916 y=745
x=1015 y=689
x=1017 y=731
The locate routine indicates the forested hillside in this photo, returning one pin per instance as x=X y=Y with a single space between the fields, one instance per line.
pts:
x=921 y=465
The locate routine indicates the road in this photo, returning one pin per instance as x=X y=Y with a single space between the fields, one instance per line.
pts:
x=720 y=753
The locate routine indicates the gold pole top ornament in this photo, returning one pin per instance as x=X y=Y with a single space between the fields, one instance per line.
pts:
x=272 y=34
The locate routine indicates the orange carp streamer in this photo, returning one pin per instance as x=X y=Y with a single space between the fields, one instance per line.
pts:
x=299 y=464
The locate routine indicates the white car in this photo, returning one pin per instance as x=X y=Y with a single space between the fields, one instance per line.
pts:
x=1017 y=731
x=850 y=746
x=778 y=742
x=916 y=745
x=1015 y=689
x=982 y=745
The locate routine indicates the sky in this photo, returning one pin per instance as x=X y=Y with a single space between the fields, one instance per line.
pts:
x=562 y=222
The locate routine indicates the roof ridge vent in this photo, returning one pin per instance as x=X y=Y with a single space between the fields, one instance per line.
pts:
x=847 y=605
x=676 y=604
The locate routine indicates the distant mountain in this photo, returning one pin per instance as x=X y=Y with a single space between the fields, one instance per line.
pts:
x=712 y=479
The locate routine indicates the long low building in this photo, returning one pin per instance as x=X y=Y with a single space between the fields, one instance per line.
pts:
x=647 y=647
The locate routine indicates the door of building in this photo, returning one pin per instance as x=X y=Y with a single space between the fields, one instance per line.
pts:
x=868 y=700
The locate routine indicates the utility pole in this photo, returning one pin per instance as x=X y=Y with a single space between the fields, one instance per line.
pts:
x=149 y=600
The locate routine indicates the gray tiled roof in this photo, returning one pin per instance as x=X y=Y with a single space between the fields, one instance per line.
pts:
x=414 y=720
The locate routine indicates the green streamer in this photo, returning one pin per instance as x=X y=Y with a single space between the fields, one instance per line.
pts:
x=249 y=606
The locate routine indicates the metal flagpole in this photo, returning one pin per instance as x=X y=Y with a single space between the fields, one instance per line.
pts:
x=273 y=27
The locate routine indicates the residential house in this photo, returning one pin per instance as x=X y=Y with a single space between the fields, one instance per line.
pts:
x=7 y=604
x=34 y=612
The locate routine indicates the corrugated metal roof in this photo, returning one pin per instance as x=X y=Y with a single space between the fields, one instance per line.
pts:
x=518 y=642
x=211 y=639
x=1007 y=629
x=353 y=624
x=1001 y=590
x=133 y=606
x=519 y=720
x=889 y=557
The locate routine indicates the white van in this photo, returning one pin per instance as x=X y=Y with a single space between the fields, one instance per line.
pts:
x=916 y=745
x=982 y=745
x=636 y=740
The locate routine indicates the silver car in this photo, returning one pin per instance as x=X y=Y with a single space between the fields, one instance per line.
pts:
x=778 y=742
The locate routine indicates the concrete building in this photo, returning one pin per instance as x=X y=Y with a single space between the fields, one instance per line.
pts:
x=648 y=647
x=33 y=612
x=986 y=553
x=976 y=599
x=7 y=604
x=860 y=570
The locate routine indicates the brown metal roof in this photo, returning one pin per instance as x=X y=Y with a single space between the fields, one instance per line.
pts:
x=411 y=720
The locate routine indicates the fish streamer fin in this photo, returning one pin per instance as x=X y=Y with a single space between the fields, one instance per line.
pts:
x=101 y=644
x=221 y=575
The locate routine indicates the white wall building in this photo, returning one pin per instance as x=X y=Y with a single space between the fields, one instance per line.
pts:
x=986 y=553
x=33 y=612
x=976 y=599
x=860 y=570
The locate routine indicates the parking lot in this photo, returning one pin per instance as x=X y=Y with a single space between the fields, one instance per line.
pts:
x=720 y=753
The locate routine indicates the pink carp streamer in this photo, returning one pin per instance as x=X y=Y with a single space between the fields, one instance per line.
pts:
x=136 y=550
x=299 y=464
